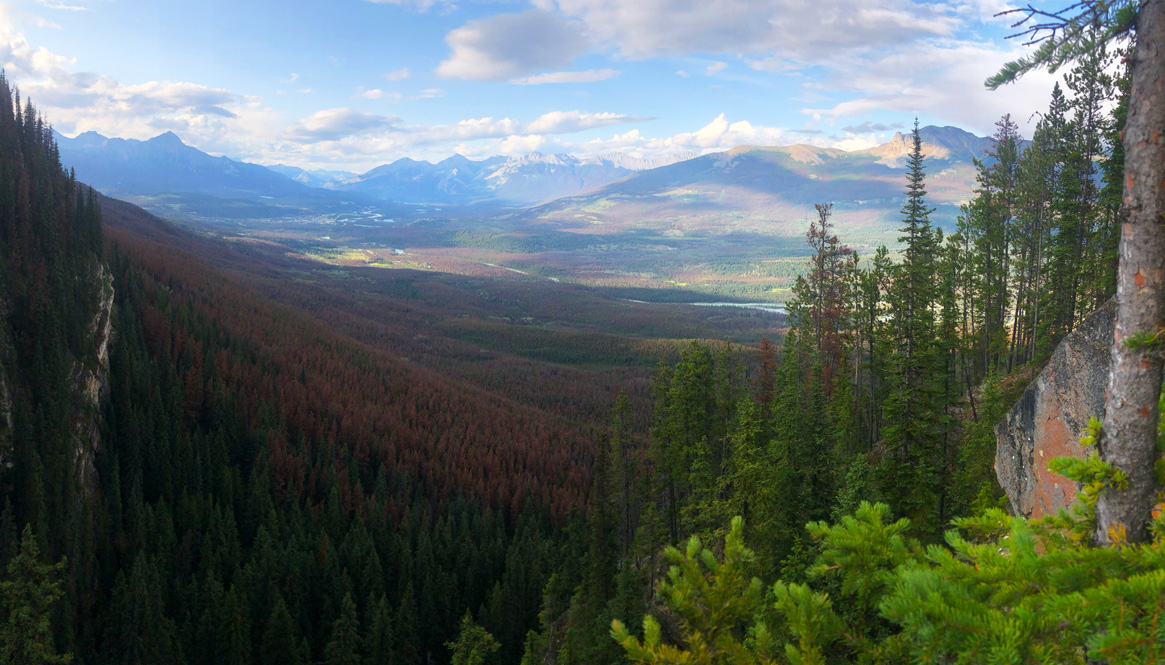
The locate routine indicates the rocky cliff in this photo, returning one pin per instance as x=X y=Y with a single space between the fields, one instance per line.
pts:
x=91 y=384
x=1050 y=417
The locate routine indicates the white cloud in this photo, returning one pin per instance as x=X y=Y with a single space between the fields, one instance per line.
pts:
x=41 y=22
x=520 y=145
x=858 y=142
x=214 y=119
x=717 y=135
x=562 y=122
x=682 y=74
x=398 y=74
x=358 y=139
x=587 y=76
x=772 y=63
x=810 y=32
x=715 y=68
x=304 y=91
x=508 y=46
x=943 y=79
x=333 y=124
x=223 y=122
x=396 y=97
x=52 y=4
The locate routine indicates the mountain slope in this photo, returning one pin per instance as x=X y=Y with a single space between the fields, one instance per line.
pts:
x=773 y=189
x=517 y=180
x=164 y=164
x=173 y=179
x=313 y=178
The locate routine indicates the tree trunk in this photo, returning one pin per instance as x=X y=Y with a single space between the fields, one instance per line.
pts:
x=1134 y=382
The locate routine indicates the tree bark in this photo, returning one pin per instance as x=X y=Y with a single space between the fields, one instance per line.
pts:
x=1129 y=435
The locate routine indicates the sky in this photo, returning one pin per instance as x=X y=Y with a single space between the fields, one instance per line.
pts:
x=351 y=84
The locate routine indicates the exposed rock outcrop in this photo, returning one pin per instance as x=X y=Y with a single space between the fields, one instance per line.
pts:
x=91 y=384
x=1049 y=419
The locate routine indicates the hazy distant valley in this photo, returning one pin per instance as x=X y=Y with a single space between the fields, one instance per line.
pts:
x=727 y=224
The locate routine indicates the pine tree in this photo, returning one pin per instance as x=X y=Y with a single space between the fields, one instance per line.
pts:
x=1130 y=419
x=343 y=646
x=908 y=472
x=378 y=640
x=281 y=642
x=473 y=646
x=405 y=630
x=27 y=598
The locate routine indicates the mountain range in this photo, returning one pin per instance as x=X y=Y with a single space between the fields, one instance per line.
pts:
x=519 y=180
x=734 y=189
x=749 y=187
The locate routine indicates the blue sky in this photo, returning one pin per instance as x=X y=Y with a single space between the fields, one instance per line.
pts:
x=350 y=84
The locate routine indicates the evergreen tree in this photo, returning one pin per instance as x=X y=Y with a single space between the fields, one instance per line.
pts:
x=280 y=642
x=343 y=646
x=378 y=640
x=405 y=630
x=28 y=594
x=473 y=646
x=913 y=431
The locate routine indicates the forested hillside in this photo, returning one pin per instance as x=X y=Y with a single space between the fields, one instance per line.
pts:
x=214 y=449
x=243 y=484
x=886 y=389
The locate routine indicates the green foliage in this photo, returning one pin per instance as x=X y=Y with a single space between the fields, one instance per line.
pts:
x=712 y=600
x=1067 y=37
x=474 y=645
x=28 y=594
x=1012 y=594
x=810 y=619
x=1024 y=595
x=1000 y=590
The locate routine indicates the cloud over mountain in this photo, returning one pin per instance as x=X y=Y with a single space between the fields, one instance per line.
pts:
x=507 y=46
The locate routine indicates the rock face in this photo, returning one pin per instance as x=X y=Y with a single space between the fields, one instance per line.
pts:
x=91 y=382
x=1049 y=419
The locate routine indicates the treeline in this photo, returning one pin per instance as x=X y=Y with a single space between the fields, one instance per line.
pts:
x=886 y=388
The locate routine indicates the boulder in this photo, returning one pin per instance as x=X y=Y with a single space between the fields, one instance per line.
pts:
x=1050 y=418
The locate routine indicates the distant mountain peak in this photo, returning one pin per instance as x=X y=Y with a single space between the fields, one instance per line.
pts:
x=167 y=138
x=937 y=143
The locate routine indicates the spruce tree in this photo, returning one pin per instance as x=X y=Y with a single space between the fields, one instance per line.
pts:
x=343 y=646
x=908 y=473
x=473 y=646
x=378 y=640
x=28 y=594
x=280 y=642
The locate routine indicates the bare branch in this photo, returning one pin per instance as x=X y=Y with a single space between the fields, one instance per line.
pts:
x=1061 y=21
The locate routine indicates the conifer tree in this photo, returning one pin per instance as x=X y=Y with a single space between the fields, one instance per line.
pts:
x=405 y=630
x=378 y=640
x=28 y=594
x=280 y=642
x=913 y=428
x=1130 y=419
x=473 y=646
x=343 y=646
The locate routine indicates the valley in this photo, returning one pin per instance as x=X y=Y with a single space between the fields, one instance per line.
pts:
x=728 y=225
x=416 y=332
